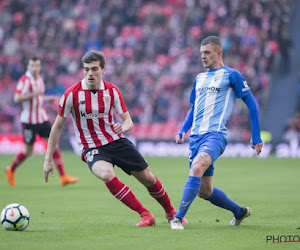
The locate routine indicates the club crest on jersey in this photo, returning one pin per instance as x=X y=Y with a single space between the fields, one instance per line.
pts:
x=106 y=99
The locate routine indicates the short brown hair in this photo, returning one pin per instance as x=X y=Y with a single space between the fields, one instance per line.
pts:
x=214 y=40
x=34 y=58
x=94 y=55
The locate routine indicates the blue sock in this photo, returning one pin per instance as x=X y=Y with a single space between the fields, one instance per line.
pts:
x=190 y=192
x=220 y=199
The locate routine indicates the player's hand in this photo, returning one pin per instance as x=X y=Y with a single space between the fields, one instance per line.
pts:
x=118 y=128
x=257 y=147
x=38 y=92
x=48 y=167
x=51 y=98
x=179 y=139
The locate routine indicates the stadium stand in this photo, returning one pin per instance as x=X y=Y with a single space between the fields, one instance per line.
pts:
x=152 y=49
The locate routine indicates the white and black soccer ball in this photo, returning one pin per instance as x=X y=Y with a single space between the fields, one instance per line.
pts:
x=15 y=217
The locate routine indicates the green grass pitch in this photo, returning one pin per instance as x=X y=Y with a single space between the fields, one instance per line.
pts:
x=86 y=216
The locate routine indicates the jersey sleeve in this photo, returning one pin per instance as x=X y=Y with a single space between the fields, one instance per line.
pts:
x=119 y=103
x=65 y=105
x=23 y=87
x=193 y=93
x=239 y=84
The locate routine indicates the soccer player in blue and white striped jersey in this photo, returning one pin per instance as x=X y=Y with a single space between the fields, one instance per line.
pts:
x=212 y=98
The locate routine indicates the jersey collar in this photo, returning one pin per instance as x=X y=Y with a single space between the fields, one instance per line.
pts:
x=29 y=75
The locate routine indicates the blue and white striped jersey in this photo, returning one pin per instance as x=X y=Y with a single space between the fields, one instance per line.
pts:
x=213 y=96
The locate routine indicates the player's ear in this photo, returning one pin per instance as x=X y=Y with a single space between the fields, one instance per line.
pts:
x=220 y=52
x=103 y=71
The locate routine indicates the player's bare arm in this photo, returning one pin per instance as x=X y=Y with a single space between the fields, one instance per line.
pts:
x=18 y=98
x=127 y=124
x=51 y=98
x=52 y=144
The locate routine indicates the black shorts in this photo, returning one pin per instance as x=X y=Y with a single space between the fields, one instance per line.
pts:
x=120 y=152
x=30 y=130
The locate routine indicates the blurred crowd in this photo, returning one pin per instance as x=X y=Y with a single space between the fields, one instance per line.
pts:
x=292 y=129
x=152 y=49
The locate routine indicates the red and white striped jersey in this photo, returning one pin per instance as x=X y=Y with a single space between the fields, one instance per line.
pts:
x=33 y=111
x=92 y=113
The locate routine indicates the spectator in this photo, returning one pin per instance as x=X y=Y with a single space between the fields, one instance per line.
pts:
x=153 y=46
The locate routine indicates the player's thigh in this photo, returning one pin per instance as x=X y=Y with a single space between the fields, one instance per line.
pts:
x=44 y=129
x=145 y=177
x=29 y=132
x=103 y=170
x=127 y=157
x=200 y=164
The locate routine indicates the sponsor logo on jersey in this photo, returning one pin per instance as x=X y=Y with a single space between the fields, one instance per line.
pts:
x=91 y=115
x=208 y=90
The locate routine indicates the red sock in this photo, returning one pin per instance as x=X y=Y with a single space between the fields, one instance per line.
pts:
x=17 y=161
x=58 y=162
x=158 y=192
x=124 y=194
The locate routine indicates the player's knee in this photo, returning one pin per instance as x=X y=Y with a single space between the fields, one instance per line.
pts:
x=28 y=152
x=105 y=176
x=196 y=171
x=200 y=164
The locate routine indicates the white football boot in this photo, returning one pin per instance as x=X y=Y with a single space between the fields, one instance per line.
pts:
x=176 y=224
x=247 y=211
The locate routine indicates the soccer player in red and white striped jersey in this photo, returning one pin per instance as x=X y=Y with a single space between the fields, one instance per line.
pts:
x=92 y=113
x=92 y=103
x=30 y=92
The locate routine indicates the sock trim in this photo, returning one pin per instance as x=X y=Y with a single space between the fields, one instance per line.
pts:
x=124 y=195
x=157 y=194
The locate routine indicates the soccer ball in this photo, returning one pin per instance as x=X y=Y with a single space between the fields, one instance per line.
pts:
x=15 y=217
